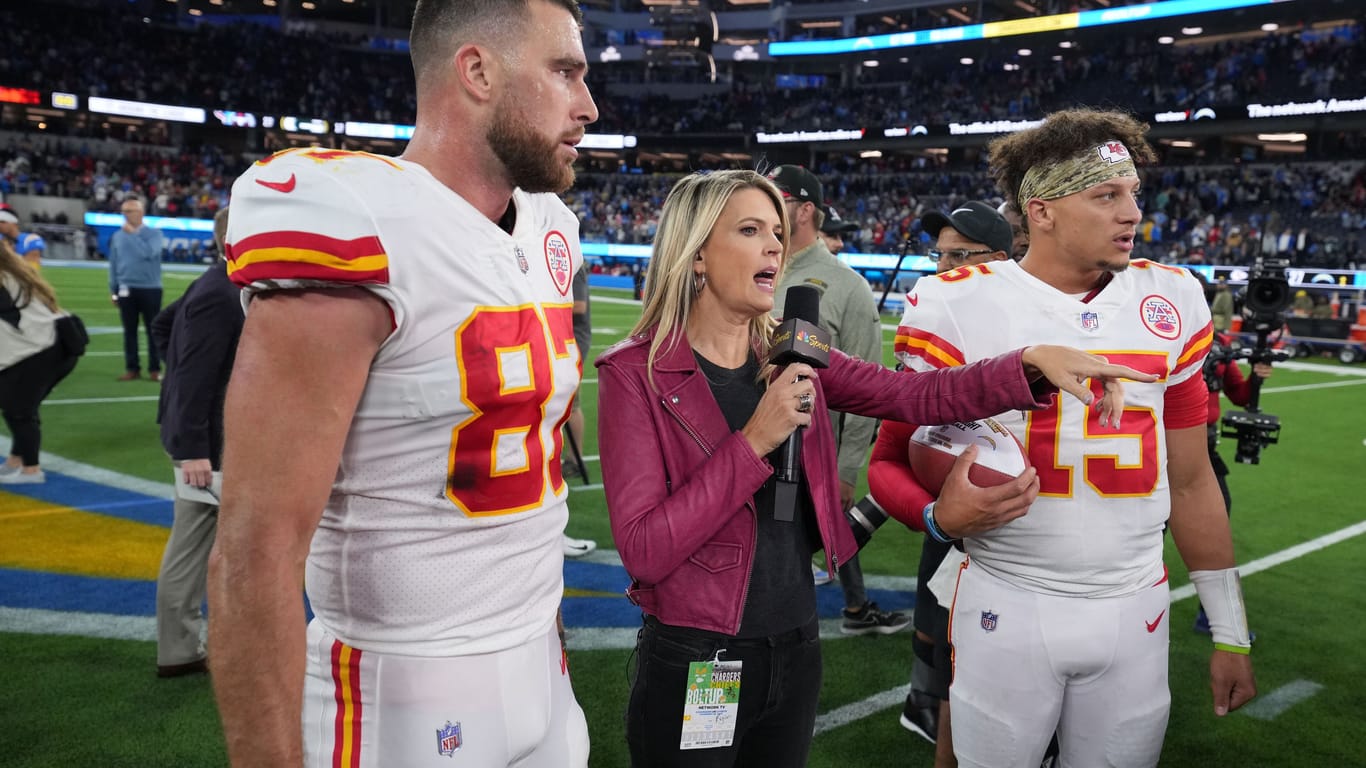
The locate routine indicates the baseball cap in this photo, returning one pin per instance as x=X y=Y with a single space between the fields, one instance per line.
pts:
x=834 y=225
x=798 y=183
x=975 y=220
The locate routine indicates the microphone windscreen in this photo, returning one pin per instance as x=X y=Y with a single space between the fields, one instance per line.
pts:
x=803 y=302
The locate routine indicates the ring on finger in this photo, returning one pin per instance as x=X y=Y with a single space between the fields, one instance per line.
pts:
x=804 y=402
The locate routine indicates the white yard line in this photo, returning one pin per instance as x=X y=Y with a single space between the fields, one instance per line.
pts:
x=1268 y=706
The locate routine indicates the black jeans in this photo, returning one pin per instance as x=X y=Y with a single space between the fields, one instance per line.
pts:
x=142 y=303
x=23 y=387
x=780 y=681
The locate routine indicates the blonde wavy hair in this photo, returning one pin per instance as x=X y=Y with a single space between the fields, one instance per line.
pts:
x=690 y=213
x=31 y=283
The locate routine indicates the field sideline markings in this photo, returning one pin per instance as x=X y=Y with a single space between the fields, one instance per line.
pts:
x=1269 y=706
x=851 y=712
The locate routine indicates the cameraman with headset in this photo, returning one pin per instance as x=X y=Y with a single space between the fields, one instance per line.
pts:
x=1222 y=374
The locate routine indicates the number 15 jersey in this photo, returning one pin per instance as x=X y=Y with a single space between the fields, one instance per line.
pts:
x=442 y=533
x=1096 y=527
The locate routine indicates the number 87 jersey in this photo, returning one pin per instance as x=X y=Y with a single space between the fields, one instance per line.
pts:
x=1096 y=527
x=449 y=488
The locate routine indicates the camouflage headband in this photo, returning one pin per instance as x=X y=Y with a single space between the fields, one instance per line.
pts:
x=1081 y=171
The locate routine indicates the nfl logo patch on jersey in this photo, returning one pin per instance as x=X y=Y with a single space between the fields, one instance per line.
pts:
x=522 y=263
x=989 y=621
x=1090 y=321
x=557 y=261
x=1160 y=317
x=448 y=739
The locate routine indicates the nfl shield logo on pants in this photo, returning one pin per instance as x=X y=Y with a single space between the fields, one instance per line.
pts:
x=448 y=739
x=988 y=621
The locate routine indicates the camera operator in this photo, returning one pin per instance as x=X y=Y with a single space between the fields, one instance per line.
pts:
x=1222 y=374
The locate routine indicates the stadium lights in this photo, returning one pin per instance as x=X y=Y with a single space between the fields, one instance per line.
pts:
x=1166 y=40
x=1181 y=143
x=870 y=63
x=965 y=61
x=1270 y=26
x=1065 y=44
x=1025 y=52
x=1192 y=30
x=871 y=153
x=1291 y=137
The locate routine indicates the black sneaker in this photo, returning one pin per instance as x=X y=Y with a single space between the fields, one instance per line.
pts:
x=923 y=721
x=871 y=620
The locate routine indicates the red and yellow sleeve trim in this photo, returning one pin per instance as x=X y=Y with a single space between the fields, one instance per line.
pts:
x=1195 y=349
x=307 y=256
x=927 y=346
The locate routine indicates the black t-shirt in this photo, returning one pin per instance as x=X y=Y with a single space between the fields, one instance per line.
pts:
x=780 y=595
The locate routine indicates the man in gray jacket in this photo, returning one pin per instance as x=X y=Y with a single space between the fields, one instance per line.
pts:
x=135 y=286
x=849 y=313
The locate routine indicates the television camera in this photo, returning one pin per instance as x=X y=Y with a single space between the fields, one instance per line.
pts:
x=1268 y=297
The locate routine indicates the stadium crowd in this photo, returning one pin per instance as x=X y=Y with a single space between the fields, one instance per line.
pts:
x=248 y=67
x=1199 y=209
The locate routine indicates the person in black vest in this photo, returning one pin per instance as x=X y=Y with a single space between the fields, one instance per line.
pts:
x=197 y=337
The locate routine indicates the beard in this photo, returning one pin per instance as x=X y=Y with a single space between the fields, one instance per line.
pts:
x=532 y=160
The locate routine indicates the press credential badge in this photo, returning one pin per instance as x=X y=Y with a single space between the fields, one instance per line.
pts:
x=711 y=704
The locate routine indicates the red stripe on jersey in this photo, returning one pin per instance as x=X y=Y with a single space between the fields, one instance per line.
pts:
x=1186 y=404
x=307 y=256
x=346 y=689
x=285 y=270
x=1195 y=350
x=927 y=346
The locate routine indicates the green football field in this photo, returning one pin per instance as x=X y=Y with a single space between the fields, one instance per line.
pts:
x=78 y=559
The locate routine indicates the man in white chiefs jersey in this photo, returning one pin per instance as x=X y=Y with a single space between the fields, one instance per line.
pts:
x=393 y=425
x=1060 y=616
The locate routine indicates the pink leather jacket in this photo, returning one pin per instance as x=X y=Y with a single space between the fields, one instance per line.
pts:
x=680 y=484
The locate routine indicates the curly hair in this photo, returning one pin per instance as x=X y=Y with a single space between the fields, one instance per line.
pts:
x=1062 y=135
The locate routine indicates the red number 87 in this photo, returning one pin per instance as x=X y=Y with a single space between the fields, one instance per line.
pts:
x=499 y=462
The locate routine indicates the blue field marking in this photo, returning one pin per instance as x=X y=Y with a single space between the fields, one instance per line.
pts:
x=617 y=611
x=84 y=495
x=84 y=594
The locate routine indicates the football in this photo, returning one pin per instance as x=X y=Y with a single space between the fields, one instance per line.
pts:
x=934 y=449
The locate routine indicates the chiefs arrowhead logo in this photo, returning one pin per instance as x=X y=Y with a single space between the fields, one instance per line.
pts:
x=558 y=262
x=285 y=186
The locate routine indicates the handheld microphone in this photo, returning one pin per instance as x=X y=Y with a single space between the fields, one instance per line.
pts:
x=798 y=339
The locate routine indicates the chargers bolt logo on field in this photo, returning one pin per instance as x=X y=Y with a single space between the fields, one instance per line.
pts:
x=1160 y=317
x=989 y=621
x=557 y=260
x=448 y=740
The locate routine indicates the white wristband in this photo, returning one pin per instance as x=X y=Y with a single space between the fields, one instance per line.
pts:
x=1221 y=594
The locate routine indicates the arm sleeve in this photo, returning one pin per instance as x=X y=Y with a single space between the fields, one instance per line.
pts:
x=205 y=347
x=160 y=329
x=1235 y=385
x=659 y=521
x=319 y=235
x=861 y=337
x=890 y=479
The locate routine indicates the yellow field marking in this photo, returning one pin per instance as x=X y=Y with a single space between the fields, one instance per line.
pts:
x=39 y=536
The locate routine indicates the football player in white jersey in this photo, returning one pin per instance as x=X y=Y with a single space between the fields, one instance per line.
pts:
x=1059 y=619
x=393 y=423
